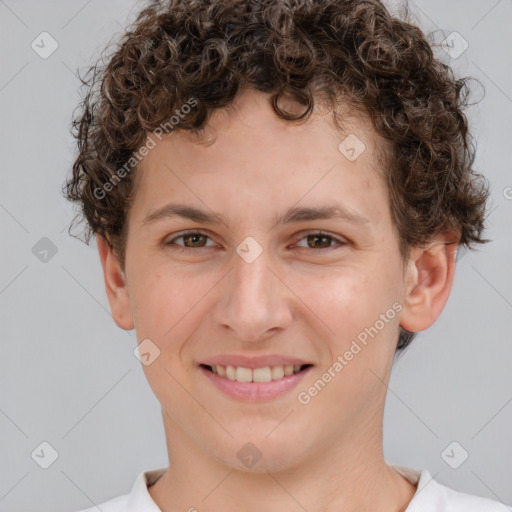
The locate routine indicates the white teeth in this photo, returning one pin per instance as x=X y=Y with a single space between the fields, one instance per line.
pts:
x=262 y=374
x=288 y=370
x=230 y=372
x=277 y=372
x=243 y=374
x=265 y=374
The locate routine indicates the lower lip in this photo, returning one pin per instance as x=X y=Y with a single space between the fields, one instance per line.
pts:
x=255 y=391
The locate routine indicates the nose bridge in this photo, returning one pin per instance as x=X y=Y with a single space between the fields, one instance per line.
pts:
x=252 y=278
x=253 y=301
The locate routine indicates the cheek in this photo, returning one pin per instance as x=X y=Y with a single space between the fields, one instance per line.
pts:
x=362 y=344
x=346 y=308
x=344 y=300
x=159 y=300
x=170 y=305
x=163 y=307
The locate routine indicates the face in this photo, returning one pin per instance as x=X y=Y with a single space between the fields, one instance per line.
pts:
x=264 y=284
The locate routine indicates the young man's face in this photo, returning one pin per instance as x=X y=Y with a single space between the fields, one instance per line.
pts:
x=255 y=287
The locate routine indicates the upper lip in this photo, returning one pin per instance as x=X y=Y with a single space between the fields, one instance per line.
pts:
x=254 y=361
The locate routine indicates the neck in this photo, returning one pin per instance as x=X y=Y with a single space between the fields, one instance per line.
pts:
x=331 y=478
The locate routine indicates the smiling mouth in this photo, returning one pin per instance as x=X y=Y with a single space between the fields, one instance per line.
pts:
x=264 y=374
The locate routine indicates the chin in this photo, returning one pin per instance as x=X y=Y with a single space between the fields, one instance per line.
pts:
x=260 y=454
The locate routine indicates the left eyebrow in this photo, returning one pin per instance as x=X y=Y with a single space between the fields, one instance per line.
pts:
x=293 y=214
x=296 y=214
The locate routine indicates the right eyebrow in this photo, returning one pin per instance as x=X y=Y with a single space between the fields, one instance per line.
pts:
x=184 y=211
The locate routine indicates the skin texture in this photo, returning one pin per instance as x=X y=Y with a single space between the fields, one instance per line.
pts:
x=293 y=300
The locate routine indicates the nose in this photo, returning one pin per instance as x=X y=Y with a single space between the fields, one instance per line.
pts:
x=255 y=302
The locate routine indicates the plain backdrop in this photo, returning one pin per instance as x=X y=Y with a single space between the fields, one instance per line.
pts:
x=69 y=378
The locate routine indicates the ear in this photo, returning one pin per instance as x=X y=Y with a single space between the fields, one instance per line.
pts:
x=429 y=280
x=115 y=285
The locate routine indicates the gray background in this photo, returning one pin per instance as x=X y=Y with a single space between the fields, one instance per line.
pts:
x=68 y=374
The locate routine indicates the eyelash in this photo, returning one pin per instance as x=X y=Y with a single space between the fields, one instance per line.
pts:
x=305 y=235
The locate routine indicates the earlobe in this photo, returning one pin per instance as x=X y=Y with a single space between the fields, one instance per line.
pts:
x=429 y=280
x=115 y=285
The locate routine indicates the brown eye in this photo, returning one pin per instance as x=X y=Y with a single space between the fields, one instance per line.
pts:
x=194 y=239
x=191 y=240
x=319 y=240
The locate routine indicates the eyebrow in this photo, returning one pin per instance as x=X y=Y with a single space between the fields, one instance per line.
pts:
x=293 y=214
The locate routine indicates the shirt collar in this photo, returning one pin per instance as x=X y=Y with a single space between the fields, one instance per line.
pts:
x=427 y=497
x=139 y=497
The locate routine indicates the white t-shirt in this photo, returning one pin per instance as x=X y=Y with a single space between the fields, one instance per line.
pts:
x=430 y=496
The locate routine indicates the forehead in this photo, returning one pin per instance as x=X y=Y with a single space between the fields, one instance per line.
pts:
x=250 y=123
x=247 y=150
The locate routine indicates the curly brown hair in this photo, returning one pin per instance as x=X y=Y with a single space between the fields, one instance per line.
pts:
x=378 y=64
